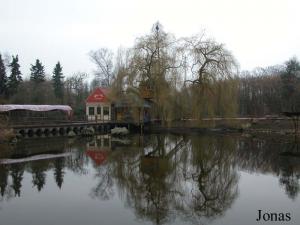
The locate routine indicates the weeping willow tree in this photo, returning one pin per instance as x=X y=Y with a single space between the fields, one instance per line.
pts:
x=182 y=78
x=154 y=61
x=212 y=87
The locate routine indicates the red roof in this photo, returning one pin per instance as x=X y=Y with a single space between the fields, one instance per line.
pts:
x=98 y=95
x=98 y=157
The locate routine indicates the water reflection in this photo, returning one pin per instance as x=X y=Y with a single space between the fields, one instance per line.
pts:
x=59 y=171
x=159 y=177
x=268 y=155
x=168 y=176
x=11 y=175
x=213 y=175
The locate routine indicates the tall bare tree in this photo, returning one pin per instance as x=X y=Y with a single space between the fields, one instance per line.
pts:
x=208 y=59
x=76 y=91
x=103 y=59
x=209 y=63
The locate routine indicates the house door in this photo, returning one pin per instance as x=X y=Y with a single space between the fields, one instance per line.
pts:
x=106 y=113
x=98 y=113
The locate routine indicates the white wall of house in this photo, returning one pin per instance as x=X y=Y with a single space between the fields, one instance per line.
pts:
x=98 y=111
x=103 y=142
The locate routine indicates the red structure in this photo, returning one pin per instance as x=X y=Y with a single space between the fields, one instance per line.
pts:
x=98 y=105
x=99 y=157
x=98 y=95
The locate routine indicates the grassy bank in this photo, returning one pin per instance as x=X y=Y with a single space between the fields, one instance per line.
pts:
x=264 y=125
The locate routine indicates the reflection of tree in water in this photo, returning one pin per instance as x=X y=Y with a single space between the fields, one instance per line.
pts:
x=77 y=162
x=153 y=200
x=169 y=176
x=150 y=187
x=212 y=177
x=38 y=169
x=59 y=171
x=6 y=189
x=289 y=168
x=104 y=189
x=289 y=176
x=173 y=176
x=257 y=154
x=17 y=172
x=272 y=155
x=4 y=172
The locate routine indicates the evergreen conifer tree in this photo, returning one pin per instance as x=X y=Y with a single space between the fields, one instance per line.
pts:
x=37 y=72
x=3 y=78
x=15 y=77
x=57 y=80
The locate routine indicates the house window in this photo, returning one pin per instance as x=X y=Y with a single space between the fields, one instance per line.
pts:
x=99 y=110
x=91 y=111
x=105 y=111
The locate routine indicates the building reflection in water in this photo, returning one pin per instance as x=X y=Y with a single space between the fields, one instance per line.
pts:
x=159 y=177
x=99 y=149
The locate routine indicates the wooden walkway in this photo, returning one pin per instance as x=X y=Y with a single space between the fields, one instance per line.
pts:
x=62 y=128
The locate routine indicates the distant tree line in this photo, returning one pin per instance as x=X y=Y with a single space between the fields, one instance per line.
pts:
x=40 y=88
x=191 y=77
x=271 y=90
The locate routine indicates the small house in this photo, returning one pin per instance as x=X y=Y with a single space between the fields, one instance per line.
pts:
x=98 y=105
x=127 y=107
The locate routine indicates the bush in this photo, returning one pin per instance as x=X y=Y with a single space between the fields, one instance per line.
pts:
x=6 y=133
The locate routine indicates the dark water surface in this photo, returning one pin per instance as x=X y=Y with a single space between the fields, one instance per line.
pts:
x=152 y=179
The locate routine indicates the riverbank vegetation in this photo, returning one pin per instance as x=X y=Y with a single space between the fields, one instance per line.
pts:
x=184 y=78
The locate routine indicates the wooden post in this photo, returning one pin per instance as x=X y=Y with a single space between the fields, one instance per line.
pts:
x=142 y=127
x=139 y=109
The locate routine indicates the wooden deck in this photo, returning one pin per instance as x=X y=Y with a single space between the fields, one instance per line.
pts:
x=64 y=127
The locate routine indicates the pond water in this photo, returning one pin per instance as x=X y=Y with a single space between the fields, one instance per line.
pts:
x=151 y=179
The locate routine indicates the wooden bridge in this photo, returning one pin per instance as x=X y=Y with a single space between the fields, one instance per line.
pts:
x=63 y=128
x=31 y=120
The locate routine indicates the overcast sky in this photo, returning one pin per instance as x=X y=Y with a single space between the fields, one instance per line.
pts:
x=257 y=32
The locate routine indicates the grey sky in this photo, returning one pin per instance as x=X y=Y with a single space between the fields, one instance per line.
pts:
x=257 y=32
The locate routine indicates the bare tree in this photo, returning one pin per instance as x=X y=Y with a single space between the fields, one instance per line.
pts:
x=103 y=58
x=122 y=69
x=210 y=65
x=209 y=60
x=76 y=91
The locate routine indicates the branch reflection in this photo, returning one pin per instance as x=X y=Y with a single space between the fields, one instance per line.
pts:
x=165 y=176
x=162 y=177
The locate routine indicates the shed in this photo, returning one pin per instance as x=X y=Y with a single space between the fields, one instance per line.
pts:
x=98 y=105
